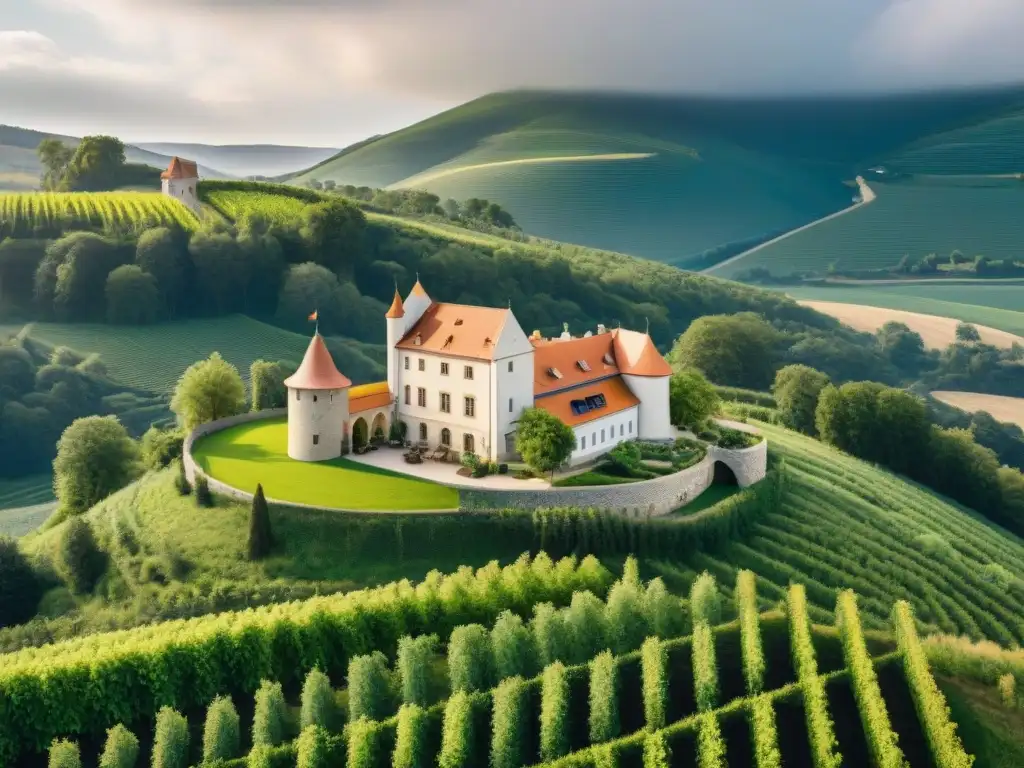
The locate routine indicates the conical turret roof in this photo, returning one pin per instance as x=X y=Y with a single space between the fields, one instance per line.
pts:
x=397 y=309
x=317 y=370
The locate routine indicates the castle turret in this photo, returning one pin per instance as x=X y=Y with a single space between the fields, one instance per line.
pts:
x=648 y=376
x=317 y=406
x=396 y=330
x=181 y=181
x=416 y=303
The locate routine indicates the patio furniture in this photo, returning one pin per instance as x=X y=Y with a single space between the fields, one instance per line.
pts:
x=441 y=453
x=413 y=457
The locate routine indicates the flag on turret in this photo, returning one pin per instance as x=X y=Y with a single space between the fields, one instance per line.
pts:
x=314 y=317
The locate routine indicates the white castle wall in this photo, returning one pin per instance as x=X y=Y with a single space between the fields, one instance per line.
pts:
x=653 y=394
x=316 y=423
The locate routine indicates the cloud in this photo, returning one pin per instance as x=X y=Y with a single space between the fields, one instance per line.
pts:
x=360 y=66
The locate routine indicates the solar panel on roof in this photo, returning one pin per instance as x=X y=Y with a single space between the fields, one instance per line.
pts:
x=579 y=407
x=596 y=401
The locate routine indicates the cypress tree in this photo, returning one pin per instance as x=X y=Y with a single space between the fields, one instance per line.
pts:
x=260 y=537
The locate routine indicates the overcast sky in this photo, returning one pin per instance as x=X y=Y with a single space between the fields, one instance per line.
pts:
x=330 y=72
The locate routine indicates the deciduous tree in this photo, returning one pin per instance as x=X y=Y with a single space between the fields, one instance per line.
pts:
x=692 y=398
x=133 y=297
x=796 y=390
x=208 y=390
x=737 y=350
x=543 y=440
x=95 y=457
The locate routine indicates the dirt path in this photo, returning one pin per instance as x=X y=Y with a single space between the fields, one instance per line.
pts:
x=999 y=407
x=867 y=196
x=937 y=332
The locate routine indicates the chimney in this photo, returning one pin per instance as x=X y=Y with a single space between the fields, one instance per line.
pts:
x=565 y=332
x=601 y=329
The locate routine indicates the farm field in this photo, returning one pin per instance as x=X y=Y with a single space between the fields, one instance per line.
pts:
x=915 y=217
x=936 y=332
x=999 y=306
x=21 y=213
x=1007 y=409
x=847 y=524
x=253 y=453
x=24 y=501
x=154 y=357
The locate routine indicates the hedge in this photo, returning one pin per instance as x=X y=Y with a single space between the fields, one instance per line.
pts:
x=882 y=740
x=654 y=676
x=820 y=729
x=513 y=647
x=121 y=749
x=932 y=710
x=87 y=685
x=705 y=670
x=470 y=658
x=705 y=600
x=369 y=687
x=170 y=746
x=457 y=734
x=710 y=745
x=222 y=731
x=764 y=733
x=312 y=748
x=554 y=712
x=414 y=657
x=410 y=738
x=656 y=751
x=317 y=703
x=509 y=724
x=750 y=631
x=552 y=634
x=604 y=698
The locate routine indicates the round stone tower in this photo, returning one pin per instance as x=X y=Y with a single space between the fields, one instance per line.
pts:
x=317 y=406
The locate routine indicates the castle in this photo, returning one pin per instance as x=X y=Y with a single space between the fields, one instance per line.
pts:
x=181 y=181
x=459 y=376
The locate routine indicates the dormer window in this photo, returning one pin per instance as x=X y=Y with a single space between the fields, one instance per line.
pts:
x=459 y=321
x=554 y=373
x=418 y=340
x=608 y=359
x=583 y=365
x=448 y=342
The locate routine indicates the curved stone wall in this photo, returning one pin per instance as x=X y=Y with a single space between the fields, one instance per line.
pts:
x=646 y=497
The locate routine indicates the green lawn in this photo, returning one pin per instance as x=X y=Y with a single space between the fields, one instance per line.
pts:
x=257 y=452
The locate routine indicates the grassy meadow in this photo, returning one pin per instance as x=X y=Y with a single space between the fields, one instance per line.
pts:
x=915 y=217
x=250 y=454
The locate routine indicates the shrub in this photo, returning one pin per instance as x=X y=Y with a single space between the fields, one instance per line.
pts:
x=1007 y=687
x=64 y=754
x=317 y=701
x=470 y=658
x=170 y=744
x=934 y=545
x=710 y=745
x=796 y=390
x=95 y=458
x=203 y=496
x=20 y=588
x=221 y=736
x=121 y=749
x=80 y=561
x=625 y=617
x=585 y=626
x=368 y=687
x=414 y=657
x=261 y=539
x=692 y=399
x=554 y=712
x=271 y=715
x=750 y=631
x=604 y=698
x=764 y=733
x=654 y=674
x=159 y=447
x=512 y=645
x=994 y=573
x=509 y=724
x=656 y=751
x=311 y=748
x=551 y=634
x=410 y=738
x=705 y=600
x=65 y=356
x=363 y=744
x=705 y=670
x=181 y=483
x=457 y=733
x=664 y=610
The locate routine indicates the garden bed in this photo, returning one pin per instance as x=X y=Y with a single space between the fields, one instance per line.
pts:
x=635 y=461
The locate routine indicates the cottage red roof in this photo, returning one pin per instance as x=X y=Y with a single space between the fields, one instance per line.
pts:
x=317 y=370
x=181 y=169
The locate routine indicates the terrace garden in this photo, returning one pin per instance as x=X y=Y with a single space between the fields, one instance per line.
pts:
x=632 y=461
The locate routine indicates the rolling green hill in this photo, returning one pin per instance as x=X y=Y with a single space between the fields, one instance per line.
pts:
x=666 y=177
x=245 y=160
x=915 y=217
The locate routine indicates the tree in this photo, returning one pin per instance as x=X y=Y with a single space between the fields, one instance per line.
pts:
x=267 y=382
x=220 y=269
x=17 y=372
x=133 y=297
x=80 y=561
x=20 y=587
x=544 y=442
x=208 y=390
x=95 y=457
x=903 y=347
x=306 y=287
x=333 y=231
x=967 y=333
x=160 y=447
x=692 y=398
x=738 y=350
x=54 y=156
x=796 y=390
x=162 y=253
x=97 y=164
x=80 y=279
x=261 y=539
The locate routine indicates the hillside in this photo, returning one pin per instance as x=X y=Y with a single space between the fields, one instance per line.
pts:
x=20 y=169
x=245 y=160
x=913 y=217
x=700 y=174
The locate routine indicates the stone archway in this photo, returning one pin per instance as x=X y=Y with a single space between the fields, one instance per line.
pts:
x=360 y=433
x=723 y=474
x=379 y=427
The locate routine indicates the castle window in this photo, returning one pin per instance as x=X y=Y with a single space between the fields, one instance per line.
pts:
x=602 y=435
x=423 y=431
x=421 y=397
x=314 y=398
x=422 y=364
x=510 y=405
x=444 y=369
x=593 y=438
x=470 y=406
x=446 y=403
x=407 y=362
x=622 y=429
x=316 y=439
x=583 y=441
x=510 y=366
x=468 y=443
x=446 y=437
x=631 y=426
x=298 y=395
x=408 y=394
x=467 y=372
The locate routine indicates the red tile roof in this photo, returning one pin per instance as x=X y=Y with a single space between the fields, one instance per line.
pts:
x=368 y=396
x=458 y=330
x=637 y=356
x=181 y=169
x=564 y=357
x=317 y=370
x=618 y=398
x=396 y=310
